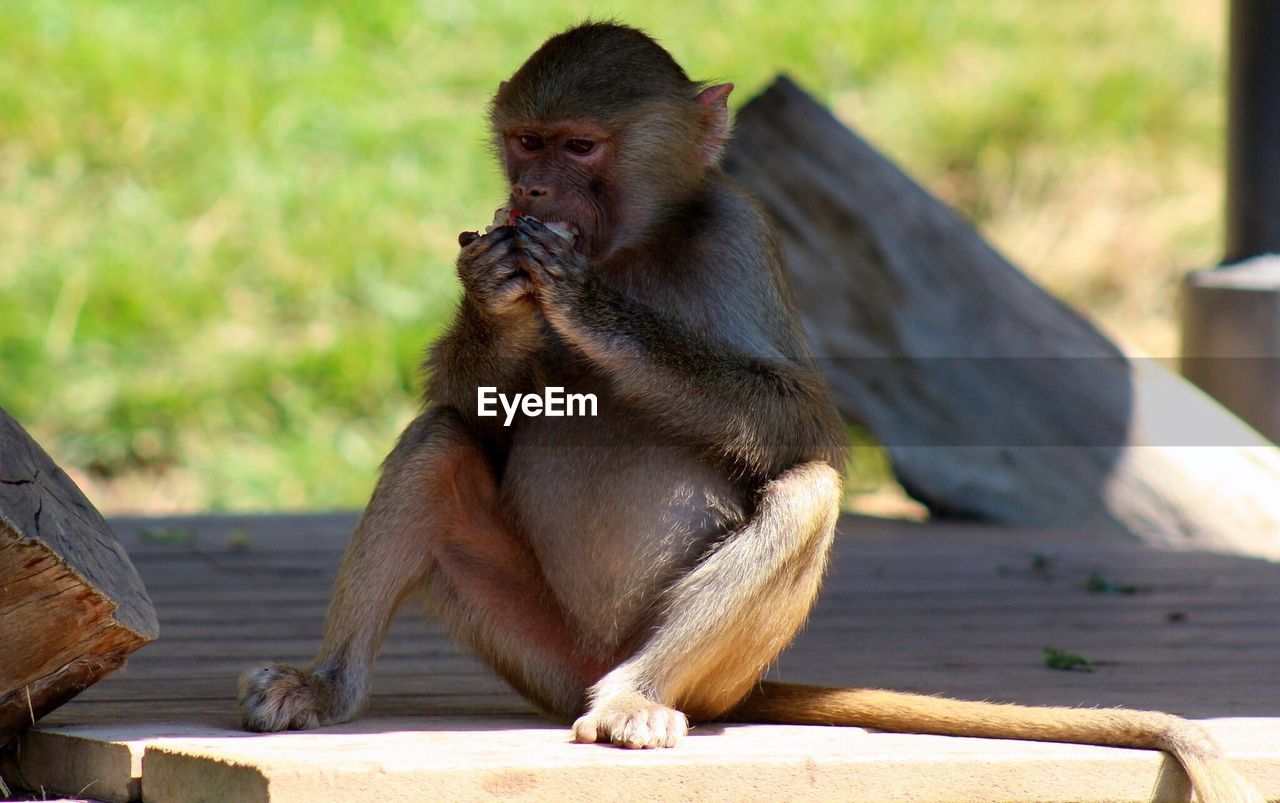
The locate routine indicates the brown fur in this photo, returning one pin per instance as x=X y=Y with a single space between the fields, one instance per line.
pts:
x=645 y=566
x=1212 y=778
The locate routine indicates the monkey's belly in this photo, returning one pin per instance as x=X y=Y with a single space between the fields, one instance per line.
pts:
x=612 y=518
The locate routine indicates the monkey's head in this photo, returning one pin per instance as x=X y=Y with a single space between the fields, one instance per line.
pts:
x=603 y=130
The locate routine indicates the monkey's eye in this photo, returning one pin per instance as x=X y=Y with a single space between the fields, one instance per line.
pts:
x=530 y=142
x=580 y=146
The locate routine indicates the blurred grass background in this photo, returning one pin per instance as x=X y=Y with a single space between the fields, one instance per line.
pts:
x=227 y=228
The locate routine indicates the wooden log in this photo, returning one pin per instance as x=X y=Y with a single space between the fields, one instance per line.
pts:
x=993 y=399
x=72 y=607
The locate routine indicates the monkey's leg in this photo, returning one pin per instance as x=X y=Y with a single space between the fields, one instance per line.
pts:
x=434 y=523
x=722 y=623
x=731 y=615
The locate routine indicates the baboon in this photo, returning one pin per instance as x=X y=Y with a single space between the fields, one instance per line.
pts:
x=635 y=570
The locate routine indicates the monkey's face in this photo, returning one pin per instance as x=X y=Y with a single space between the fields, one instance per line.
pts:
x=561 y=172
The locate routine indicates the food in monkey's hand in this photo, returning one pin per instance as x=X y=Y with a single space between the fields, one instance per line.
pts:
x=508 y=217
x=503 y=217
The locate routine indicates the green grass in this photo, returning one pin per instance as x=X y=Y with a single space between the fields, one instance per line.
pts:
x=227 y=229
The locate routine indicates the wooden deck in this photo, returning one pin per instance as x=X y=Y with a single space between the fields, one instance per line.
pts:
x=951 y=609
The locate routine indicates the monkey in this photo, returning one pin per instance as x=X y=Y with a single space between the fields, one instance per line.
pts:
x=635 y=571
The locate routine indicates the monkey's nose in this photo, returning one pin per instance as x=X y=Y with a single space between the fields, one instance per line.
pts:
x=533 y=191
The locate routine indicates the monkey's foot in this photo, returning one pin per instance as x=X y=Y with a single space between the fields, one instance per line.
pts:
x=631 y=721
x=279 y=697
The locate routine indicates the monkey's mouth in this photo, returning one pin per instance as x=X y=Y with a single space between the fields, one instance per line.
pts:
x=563 y=228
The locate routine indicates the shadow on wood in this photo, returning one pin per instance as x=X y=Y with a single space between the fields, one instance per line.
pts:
x=994 y=400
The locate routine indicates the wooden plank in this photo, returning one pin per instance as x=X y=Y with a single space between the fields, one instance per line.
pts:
x=749 y=763
x=939 y=609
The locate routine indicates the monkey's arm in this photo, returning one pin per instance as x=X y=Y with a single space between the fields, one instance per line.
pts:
x=495 y=332
x=482 y=348
x=763 y=413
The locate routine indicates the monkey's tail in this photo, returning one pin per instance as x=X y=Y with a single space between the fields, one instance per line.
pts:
x=1213 y=779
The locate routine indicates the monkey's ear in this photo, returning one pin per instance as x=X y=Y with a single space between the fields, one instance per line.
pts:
x=502 y=85
x=715 y=102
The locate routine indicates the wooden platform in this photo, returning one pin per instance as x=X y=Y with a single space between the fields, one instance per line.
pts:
x=952 y=609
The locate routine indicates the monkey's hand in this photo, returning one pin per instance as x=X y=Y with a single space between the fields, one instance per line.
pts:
x=492 y=269
x=559 y=273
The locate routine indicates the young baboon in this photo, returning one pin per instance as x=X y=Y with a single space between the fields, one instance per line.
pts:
x=641 y=568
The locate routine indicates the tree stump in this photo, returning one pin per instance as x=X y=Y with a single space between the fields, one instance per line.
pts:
x=1231 y=338
x=993 y=399
x=72 y=607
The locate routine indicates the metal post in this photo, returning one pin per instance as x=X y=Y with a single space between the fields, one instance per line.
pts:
x=1253 y=130
x=1231 y=315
